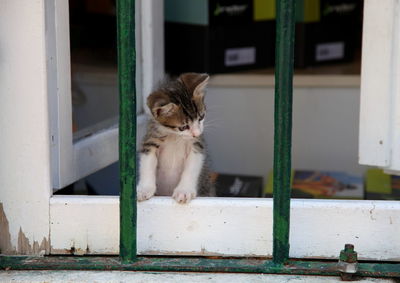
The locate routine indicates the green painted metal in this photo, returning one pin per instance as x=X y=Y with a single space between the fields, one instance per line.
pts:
x=348 y=254
x=127 y=127
x=285 y=29
x=348 y=264
x=193 y=264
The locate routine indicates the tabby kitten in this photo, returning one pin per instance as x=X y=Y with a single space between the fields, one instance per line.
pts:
x=172 y=158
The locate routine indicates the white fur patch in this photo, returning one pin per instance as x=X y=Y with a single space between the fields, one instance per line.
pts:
x=147 y=182
x=187 y=187
x=172 y=155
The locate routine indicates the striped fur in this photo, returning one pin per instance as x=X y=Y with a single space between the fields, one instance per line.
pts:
x=174 y=137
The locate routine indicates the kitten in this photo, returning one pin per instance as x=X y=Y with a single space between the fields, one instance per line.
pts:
x=172 y=158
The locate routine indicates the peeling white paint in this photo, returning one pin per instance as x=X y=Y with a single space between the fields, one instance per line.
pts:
x=228 y=227
x=25 y=183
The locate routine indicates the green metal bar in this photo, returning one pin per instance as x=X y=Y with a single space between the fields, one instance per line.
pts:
x=127 y=127
x=285 y=29
x=193 y=264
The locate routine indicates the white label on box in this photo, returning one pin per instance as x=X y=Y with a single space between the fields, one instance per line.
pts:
x=329 y=51
x=240 y=56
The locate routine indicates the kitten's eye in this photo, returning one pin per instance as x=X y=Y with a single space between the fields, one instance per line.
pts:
x=184 y=128
x=202 y=117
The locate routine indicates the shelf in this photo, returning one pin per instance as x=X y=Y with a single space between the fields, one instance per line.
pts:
x=254 y=80
x=326 y=76
x=337 y=75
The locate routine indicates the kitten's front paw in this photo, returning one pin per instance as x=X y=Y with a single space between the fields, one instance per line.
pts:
x=183 y=195
x=145 y=192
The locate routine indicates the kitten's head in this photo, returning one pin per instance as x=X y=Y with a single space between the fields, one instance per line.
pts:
x=178 y=105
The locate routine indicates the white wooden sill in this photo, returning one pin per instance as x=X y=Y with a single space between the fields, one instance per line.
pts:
x=227 y=227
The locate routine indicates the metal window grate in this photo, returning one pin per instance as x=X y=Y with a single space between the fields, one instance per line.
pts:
x=283 y=128
x=285 y=34
x=127 y=127
x=284 y=53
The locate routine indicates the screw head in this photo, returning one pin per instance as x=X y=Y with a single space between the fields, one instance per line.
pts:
x=348 y=254
x=349 y=247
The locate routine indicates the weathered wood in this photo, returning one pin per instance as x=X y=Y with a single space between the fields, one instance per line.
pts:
x=228 y=227
x=25 y=182
x=94 y=220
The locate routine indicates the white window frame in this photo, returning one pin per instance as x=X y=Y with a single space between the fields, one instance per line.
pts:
x=38 y=222
x=71 y=160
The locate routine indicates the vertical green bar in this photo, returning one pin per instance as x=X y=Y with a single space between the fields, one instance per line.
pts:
x=284 y=49
x=127 y=127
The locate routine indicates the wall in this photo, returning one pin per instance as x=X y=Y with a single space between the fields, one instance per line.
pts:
x=325 y=129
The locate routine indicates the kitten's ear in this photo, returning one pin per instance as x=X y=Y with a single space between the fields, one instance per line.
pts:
x=159 y=105
x=165 y=110
x=196 y=83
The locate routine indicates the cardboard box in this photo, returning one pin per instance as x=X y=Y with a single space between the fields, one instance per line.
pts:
x=382 y=186
x=218 y=36
x=322 y=185
x=327 y=31
x=230 y=185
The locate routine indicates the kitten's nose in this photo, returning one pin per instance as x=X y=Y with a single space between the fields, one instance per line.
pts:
x=195 y=130
x=196 y=133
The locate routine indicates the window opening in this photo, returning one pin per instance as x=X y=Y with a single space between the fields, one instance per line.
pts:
x=94 y=88
x=280 y=263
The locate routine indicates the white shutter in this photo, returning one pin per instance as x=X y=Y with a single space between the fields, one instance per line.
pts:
x=379 y=143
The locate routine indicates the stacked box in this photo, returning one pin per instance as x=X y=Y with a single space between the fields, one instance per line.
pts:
x=322 y=185
x=327 y=31
x=382 y=186
x=218 y=36
x=231 y=185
